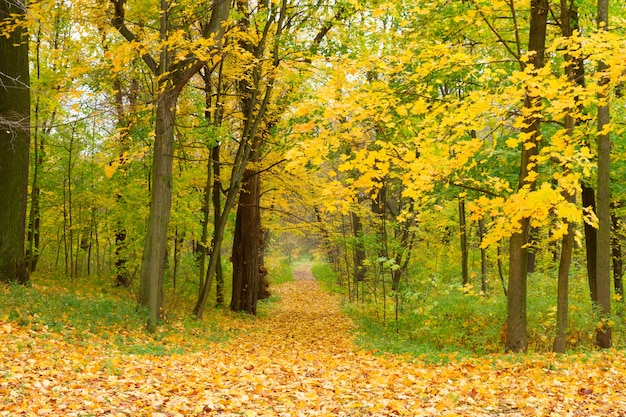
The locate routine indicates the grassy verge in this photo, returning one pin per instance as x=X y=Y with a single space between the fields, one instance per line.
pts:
x=327 y=278
x=83 y=313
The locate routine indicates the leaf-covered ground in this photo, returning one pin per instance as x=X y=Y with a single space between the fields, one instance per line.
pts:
x=297 y=361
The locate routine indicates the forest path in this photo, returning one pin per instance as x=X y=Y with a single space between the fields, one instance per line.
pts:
x=299 y=360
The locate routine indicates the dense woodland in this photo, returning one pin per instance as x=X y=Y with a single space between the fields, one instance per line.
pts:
x=457 y=165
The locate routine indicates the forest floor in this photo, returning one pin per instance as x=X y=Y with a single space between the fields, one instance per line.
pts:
x=299 y=360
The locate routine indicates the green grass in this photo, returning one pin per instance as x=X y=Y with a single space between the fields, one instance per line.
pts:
x=327 y=277
x=87 y=313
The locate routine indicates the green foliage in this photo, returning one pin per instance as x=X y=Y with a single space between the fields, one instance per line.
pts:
x=327 y=277
x=439 y=319
x=280 y=272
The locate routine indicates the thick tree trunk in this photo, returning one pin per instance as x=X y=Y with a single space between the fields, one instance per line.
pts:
x=603 y=255
x=516 y=335
x=14 y=144
x=516 y=331
x=246 y=246
x=160 y=203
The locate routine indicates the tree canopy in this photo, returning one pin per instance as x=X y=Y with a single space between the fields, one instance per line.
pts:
x=414 y=146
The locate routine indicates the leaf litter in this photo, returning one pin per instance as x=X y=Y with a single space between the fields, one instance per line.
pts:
x=299 y=360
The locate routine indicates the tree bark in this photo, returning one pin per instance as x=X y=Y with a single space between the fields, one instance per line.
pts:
x=567 y=242
x=246 y=247
x=463 y=238
x=14 y=144
x=603 y=255
x=217 y=207
x=155 y=245
x=616 y=251
x=516 y=335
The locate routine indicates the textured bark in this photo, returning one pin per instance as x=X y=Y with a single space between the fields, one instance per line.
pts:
x=516 y=334
x=567 y=242
x=14 y=145
x=160 y=204
x=603 y=254
x=246 y=247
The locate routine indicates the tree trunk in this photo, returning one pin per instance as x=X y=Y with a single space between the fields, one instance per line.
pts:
x=603 y=254
x=204 y=239
x=567 y=243
x=160 y=203
x=567 y=247
x=359 y=249
x=483 y=257
x=221 y=218
x=246 y=246
x=463 y=238
x=14 y=144
x=591 y=238
x=516 y=335
x=122 y=278
x=217 y=207
x=616 y=251
x=34 y=216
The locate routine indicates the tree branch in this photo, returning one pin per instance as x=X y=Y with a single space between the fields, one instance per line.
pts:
x=119 y=22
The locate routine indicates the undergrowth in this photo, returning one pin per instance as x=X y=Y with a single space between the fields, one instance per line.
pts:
x=280 y=271
x=436 y=319
x=93 y=311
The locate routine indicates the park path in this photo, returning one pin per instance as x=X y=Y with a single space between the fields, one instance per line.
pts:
x=300 y=360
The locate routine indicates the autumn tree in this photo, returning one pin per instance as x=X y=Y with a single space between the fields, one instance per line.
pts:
x=246 y=254
x=173 y=68
x=14 y=140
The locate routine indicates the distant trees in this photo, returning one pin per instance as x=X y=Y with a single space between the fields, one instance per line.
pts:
x=484 y=107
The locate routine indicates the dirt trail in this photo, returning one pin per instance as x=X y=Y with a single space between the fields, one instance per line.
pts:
x=300 y=361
